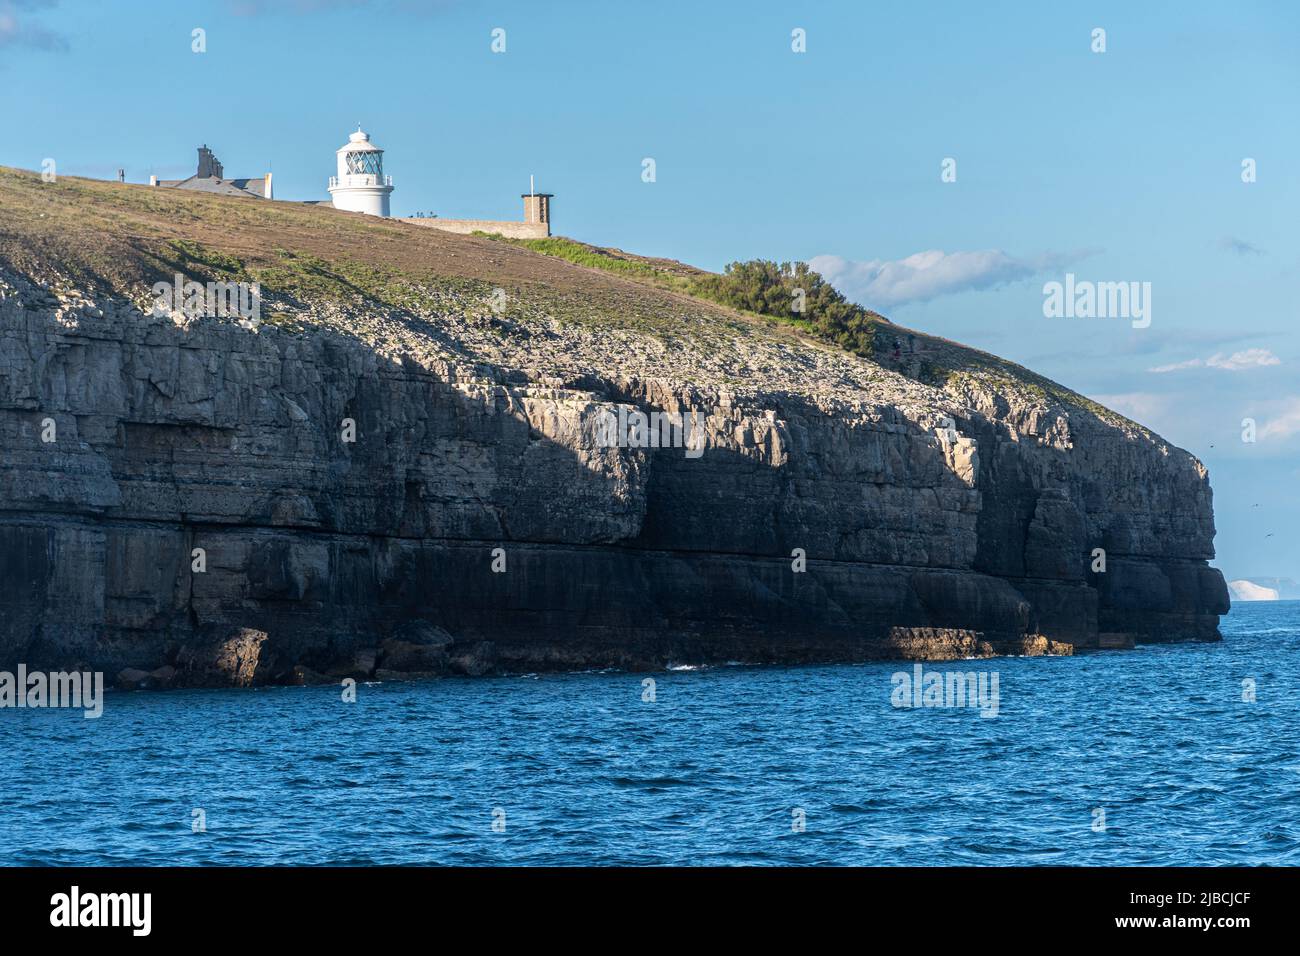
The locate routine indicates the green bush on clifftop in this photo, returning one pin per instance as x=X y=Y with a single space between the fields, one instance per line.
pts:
x=776 y=289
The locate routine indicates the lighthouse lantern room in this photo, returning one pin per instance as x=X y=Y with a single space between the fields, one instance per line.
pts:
x=361 y=185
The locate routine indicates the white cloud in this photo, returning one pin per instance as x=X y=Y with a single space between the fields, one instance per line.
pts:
x=1141 y=407
x=1178 y=366
x=18 y=30
x=1236 y=362
x=1285 y=424
x=880 y=284
x=1248 y=358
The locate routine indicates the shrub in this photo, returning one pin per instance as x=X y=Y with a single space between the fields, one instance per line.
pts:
x=773 y=289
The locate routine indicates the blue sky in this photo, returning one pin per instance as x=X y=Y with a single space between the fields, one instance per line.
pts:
x=1117 y=166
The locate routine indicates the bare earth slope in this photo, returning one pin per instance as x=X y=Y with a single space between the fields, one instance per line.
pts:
x=948 y=503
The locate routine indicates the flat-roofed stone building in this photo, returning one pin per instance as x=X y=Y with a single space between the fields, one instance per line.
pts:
x=536 y=223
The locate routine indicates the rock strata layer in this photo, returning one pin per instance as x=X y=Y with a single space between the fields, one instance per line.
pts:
x=180 y=505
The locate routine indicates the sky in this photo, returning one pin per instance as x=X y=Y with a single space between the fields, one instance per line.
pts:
x=939 y=162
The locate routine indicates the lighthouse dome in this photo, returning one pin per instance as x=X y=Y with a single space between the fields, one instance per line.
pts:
x=359 y=142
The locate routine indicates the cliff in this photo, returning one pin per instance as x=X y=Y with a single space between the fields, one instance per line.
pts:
x=948 y=502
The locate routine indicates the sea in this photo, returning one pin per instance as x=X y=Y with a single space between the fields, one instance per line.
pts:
x=1185 y=754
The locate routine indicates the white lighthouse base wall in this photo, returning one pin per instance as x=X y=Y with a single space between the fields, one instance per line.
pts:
x=373 y=202
x=511 y=230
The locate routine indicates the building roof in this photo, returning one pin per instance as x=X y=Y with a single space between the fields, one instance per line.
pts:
x=222 y=187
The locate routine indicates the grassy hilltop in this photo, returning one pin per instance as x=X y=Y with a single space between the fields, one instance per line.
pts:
x=111 y=237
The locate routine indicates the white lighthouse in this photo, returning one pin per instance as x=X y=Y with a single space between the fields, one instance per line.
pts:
x=361 y=185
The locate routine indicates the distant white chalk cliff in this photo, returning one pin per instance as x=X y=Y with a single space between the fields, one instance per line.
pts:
x=1244 y=590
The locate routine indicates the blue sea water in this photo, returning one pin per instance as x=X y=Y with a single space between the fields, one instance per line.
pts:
x=579 y=769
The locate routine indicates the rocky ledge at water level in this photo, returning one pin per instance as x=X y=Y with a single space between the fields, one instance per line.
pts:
x=179 y=505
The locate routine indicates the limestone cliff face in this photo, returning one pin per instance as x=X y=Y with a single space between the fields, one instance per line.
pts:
x=840 y=509
x=923 y=536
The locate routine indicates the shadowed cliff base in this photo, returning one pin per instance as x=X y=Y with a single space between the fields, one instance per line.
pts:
x=945 y=503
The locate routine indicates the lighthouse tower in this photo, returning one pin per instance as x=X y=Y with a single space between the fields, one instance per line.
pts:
x=361 y=185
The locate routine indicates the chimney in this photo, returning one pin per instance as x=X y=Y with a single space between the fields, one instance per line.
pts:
x=209 y=165
x=268 y=193
x=537 y=209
